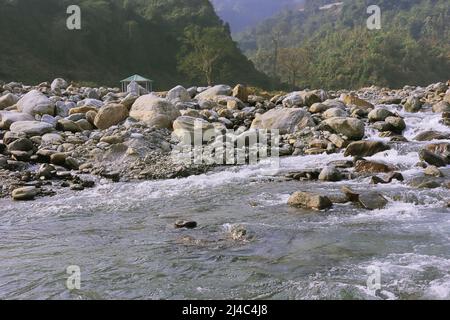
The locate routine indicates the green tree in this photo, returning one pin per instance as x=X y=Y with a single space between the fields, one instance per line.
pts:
x=203 y=49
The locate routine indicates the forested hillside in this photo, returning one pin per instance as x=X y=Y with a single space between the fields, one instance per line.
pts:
x=119 y=38
x=333 y=48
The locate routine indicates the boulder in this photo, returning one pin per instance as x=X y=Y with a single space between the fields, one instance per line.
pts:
x=34 y=102
x=8 y=100
x=9 y=117
x=58 y=84
x=22 y=144
x=442 y=106
x=413 y=104
x=432 y=135
x=67 y=125
x=110 y=115
x=364 y=166
x=292 y=100
x=441 y=149
x=24 y=193
x=184 y=128
x=82 y=109
x=334 y=112
x=350 y=127
x=219 y=90
x=372 y=200
x=379 y=114
x=287 y=120
x=397 y=124
x=240 y=92
x=319 y=107
x=353 y=100
x=433 y=171
x=97 y=104
x=52 y=138
x=309 y=200
x=178 y=94
x=154 y=111
x=330 y=174
x=31 y=128
x=432 y=158
x=365 y=148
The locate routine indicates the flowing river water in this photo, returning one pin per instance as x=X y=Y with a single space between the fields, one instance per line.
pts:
x=122 y=237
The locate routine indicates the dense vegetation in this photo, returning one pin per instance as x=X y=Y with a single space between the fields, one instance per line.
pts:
x=333 y=48
x=118 y=38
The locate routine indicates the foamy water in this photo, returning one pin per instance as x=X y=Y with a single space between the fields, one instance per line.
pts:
x=122 y=236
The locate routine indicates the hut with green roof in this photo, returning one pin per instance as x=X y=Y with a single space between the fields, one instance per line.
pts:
x=144 y=82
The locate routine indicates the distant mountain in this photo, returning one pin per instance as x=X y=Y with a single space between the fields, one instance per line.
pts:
x=241 y=14
x=118 y=38
x=328 y=44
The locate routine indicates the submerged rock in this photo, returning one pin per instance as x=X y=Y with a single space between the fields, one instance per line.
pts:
x=372 y=200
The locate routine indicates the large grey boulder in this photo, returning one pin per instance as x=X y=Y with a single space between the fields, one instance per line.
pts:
x=34 y=102
x=350 y=127
x=58 y=84
x=219 y=90
x=9 y=117
x=154 y=111
x=287 y=120
x=178 y=94
x=31 y=128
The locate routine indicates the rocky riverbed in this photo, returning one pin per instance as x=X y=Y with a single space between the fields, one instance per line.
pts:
x=55 y=135
x=363 y=180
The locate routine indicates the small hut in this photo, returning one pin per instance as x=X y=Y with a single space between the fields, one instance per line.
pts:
x=144 y=82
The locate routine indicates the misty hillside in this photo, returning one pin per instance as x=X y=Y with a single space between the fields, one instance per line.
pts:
x=241 y=14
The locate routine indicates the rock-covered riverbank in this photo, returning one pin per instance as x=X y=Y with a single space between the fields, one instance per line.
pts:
x=57 y=135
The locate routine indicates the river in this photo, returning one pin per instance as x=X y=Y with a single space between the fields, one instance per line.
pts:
x=123 y=240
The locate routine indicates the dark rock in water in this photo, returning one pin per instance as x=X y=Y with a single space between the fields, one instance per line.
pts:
x=21 y=155
x=397 y=123
x=24 y=193
x=432 y=158
x=431 y=135
x=441 y=149
x=364 y=166
x=398 y=138
x=58 y=158
x=351 y=195
x=309 y=201
x=425 y=182
x=185 y=224
x=372 y=200
x=365 y=148
x=394 y=176
x=378 y=180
